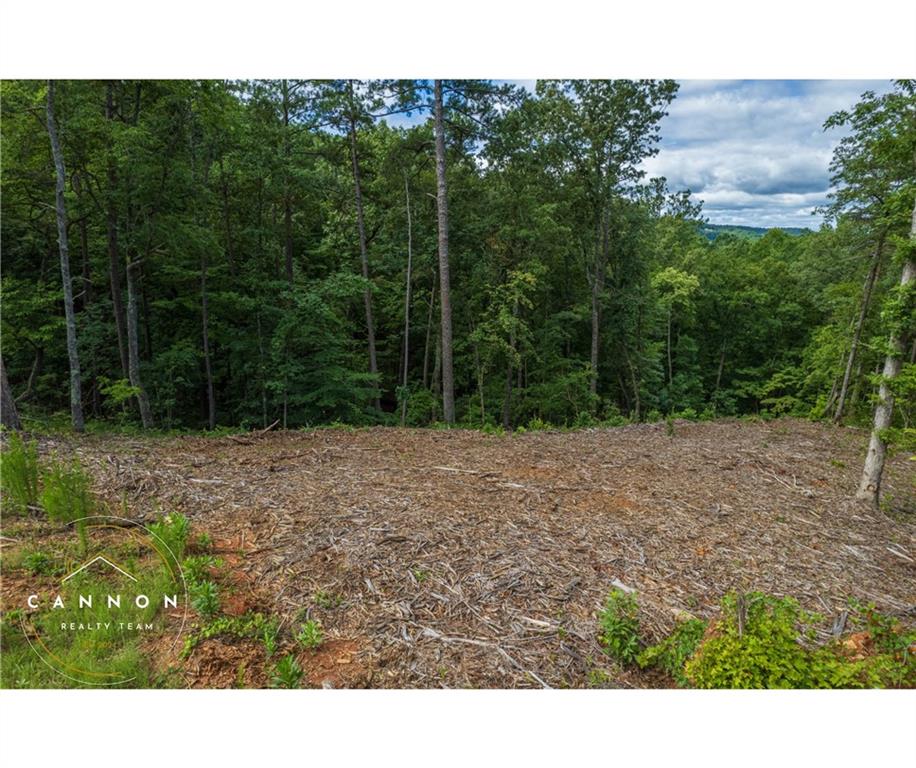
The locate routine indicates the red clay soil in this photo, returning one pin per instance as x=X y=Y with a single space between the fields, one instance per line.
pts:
x=453 y=558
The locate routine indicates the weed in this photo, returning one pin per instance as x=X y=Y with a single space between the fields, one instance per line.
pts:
x=673 y=652
x=170 y=538
x=205 y=598
x=249 y=625
x=327 y=600
x=66 y=498
x=619 y=623
x=287 y=673
x=420 y=575
x=39 y=563
x=197 y=568
x=19 y=474
x=310 y=634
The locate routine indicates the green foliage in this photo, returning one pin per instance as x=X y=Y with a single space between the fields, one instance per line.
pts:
x=205 y=598
x=197 y=569
x=619 y=626
x=170 y=538
x=248 y=626
x=310 y=635
x=773 y=646
x=39 y=563
x=672 y=653
x=287 y=673
x=19 y=474
x=66 y=496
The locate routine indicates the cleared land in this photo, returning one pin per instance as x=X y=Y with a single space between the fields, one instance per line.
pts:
x=453 y=558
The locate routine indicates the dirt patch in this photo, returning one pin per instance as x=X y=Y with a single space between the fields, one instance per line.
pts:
x=452 y=558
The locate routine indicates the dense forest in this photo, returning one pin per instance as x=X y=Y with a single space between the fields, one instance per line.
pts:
x=244 y=253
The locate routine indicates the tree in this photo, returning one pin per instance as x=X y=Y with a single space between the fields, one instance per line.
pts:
x=868 y=168
x=9 y=416
x=903 y=324
x=601 y=130
x=60 y=205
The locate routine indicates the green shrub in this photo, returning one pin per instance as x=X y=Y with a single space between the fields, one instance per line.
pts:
x=38 y=563
x=619 y=623
x=775 y=649
x=205 y=598
x=19 y=474
x=66 y=498
x=287 y=673
x=197 y=568
x=672 y=653
x=310 y=634
x=536 y=425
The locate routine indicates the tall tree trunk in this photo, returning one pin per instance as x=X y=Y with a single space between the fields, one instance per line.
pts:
x=407 y=303
x=597 y=289
x=870 y=484
x=857 y=333
x=9 y=416
x=133 y=346
x=111 y=226
x=205 y=328
x=429 y=329
x=445 y=300
x=227 y=224
x=287 y=194
x=670 y=366
x=363 y=251
x=76 y=400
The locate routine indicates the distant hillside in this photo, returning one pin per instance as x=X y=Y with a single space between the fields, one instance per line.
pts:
x=712 y=231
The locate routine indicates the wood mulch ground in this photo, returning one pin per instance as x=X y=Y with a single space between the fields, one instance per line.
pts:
x=454 y=558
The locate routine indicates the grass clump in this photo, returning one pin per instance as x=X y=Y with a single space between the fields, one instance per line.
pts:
x=19 y=474
x=619 y=623
x=170 y=539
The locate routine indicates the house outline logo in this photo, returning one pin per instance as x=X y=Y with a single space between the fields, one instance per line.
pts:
x=137 y=533
x=96 y=559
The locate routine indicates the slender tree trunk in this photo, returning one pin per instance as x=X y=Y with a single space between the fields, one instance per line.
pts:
x=205 y=327
x=407 y=303
x=857 y=333
x=227 y=224
x=445 y=300
x=76 y=400
x=111 y=225
x=287 y=194
x=133 y=346
x=363 y=252
x=870 y=484
x=597 y=290
x=9 y=416
x=429 y=329
x=670 y=366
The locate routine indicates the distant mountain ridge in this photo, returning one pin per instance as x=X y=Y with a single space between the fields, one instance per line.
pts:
x=712 y=231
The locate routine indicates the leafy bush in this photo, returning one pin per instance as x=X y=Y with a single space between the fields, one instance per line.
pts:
x=19 y=474
x=66 y=498
x=310 y=634
x=38 y=563
x=205 y=598
x=197 y=568
x=672 y=653
x=287 y=673
x=772 y=647
x=619 y=623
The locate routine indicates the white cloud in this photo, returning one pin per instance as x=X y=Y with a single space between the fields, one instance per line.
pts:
x=754 y=151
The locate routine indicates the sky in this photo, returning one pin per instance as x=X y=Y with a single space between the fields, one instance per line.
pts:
x=754 y=151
